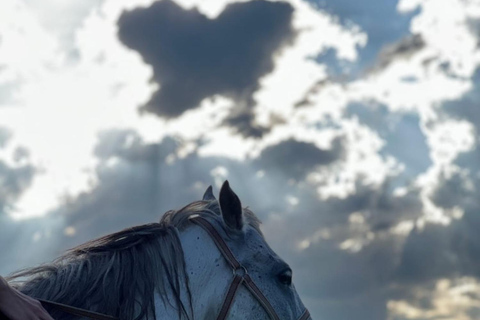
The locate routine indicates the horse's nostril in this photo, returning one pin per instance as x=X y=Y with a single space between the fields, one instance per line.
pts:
x=285 y=277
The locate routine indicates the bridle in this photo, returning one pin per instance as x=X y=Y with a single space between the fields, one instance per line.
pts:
x=240 y=276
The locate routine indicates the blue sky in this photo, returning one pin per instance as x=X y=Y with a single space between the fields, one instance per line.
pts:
x=350 y=128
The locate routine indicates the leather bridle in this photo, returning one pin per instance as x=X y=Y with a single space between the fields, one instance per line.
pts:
x=240 y=276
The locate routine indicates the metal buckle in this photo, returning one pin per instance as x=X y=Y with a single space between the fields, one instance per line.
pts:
x=240 y=271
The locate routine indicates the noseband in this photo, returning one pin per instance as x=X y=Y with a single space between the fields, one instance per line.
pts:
x=240 y=275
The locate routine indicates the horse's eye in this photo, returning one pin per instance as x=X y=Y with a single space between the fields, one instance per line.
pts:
x=285 y=277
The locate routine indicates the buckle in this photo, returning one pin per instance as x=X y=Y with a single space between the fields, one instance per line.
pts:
x=240 y=271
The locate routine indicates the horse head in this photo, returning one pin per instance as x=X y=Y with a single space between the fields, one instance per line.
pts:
x=249 y=281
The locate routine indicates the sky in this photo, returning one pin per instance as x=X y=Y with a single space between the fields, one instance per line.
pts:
x=349 y=127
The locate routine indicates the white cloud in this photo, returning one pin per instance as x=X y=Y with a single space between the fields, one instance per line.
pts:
x=451 y=300
x=441 y=71
x=61 y=107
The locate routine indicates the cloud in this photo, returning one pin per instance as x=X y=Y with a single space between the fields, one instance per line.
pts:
x=297 y=158
x=13 y=181
x=439 y=261
x=138 y=181
x=404 y=48
x=63 y=19
x=29 y=242
x=18 y=27
x=5 y=136
x=435 y=252
x=445 y=299
x=400 y=132
x=455 y=190
x=194 y=57
x=16 y=173
x=380 y=20
x=464 y=108
x=474 y=27
x=427 y=256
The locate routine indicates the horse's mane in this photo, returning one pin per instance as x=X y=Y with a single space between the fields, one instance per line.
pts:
x=119 y=273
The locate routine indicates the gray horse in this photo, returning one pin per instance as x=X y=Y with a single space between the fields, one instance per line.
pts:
x=208 y=260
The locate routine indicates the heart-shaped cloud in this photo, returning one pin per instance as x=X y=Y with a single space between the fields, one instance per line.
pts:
x=194 y=57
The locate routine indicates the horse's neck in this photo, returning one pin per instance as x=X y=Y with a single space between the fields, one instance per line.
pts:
x=209 y=276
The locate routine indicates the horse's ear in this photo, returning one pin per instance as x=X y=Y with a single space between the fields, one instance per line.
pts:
x=208 y=195
x=231 y=207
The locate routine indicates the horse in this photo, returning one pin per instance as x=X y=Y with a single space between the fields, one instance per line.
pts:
x=207 y=260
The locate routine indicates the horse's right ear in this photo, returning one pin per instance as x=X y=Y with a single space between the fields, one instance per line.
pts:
x=231 y=207
x=208 y=195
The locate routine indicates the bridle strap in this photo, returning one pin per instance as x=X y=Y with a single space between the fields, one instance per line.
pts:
x=77 y=311
x=232 y=291
x=238 y=278
x=260 y=297
x=305 y=315
x=222 y=246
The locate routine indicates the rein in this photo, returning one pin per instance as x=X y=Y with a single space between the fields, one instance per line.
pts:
x=77 y=311
x=240 y=276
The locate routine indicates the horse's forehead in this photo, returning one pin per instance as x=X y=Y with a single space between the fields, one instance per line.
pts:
x=258 y=246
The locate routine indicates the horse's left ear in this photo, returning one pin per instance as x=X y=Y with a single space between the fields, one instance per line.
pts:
x=208 y=195
x=231 y=207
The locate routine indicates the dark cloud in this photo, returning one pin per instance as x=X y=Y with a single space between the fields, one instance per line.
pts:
x=474 y=27
x=295 y=159
x=380 y=208
x=347 y=285
x=437 y=251
x=243 y=122
x=454 y=191
x=25 y=243
x=466 y=107
x=316 y=88
x=402 y=49
x=370 y=305
x=427 y=256
x=194 y=57
x=14 y=180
